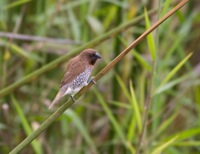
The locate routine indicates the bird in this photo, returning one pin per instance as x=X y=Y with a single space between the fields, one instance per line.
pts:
x=78 y=72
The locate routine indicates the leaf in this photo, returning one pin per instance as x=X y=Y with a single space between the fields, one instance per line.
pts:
x=116 y=125
x=120 y=104
x=188 y=133
x=188 y=143
x=135 y=107
x=193 y=132
x=175 y=70
x=131 y=130
x=21 y=52
x=123 y=87
x=27 y=128
x=16 y=3
x=81 y=127
x=142 y=61
x=150 y=39
x=111 y=117
x=165 y=124
x=166 y=7
x=7 y=55
x=16 y=49
x=163 y=146
x=169 y=85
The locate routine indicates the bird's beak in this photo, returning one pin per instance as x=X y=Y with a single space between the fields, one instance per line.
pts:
x=97 y=55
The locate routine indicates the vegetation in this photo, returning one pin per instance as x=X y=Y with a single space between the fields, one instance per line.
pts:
x=148 y=103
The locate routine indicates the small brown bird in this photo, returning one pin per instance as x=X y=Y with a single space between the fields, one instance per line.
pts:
x=78 y=72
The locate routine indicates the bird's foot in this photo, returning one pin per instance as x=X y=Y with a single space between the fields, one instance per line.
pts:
x=92 y=80
x=72 y=97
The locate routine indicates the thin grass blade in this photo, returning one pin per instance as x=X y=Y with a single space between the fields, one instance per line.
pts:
x=16 y=3
x=163 y=146
x=135 y=107
x=114 y=122
x=123 y=87
x=175 y=70
x=150 y=39
x=142 y=61
x=169 y=85
x=166 y=124
x=81 y=127
x=27 y=128
x=189 y=133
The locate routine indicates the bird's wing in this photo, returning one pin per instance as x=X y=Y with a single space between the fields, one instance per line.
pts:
x=75 y=67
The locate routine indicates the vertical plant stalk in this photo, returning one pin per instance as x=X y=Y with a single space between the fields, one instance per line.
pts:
x=65 y=106
x=117 y=49
x=150 y=91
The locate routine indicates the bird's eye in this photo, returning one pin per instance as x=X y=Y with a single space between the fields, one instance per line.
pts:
x=92 y=55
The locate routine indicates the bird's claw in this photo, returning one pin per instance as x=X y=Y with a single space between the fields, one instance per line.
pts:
x=92 y=80
x=72 y=97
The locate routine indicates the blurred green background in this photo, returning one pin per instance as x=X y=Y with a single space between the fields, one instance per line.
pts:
x=109 y=117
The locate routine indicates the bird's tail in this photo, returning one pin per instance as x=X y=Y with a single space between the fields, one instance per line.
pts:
x=56 y=99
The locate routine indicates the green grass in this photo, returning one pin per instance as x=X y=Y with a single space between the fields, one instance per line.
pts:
x=162 y=71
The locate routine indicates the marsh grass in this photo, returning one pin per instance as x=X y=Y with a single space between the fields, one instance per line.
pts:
x=161 y=70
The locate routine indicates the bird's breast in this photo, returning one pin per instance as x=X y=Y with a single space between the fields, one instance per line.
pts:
x=83 y=77
x=80 y=80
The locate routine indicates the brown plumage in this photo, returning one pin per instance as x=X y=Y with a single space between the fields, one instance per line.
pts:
x=78 y=71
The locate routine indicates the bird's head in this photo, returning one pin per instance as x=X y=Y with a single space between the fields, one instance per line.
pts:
x=91 y=56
